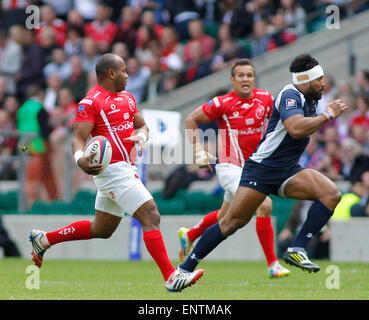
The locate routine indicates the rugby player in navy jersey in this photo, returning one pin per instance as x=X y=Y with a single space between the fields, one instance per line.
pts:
x=273 y=168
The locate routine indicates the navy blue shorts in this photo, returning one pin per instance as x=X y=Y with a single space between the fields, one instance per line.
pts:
x=264 y=179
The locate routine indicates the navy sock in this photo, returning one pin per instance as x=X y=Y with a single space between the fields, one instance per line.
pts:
x=209 y=240
x=317 y=217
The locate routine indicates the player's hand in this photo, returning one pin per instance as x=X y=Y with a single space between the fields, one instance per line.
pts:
x=336 y=108
x=85 y=164
x=202 y=157
x=139 y=141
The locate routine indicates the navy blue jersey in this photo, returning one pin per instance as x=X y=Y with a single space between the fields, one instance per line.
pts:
x=277 y=148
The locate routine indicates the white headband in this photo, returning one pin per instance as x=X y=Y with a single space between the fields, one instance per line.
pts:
x=308 y=75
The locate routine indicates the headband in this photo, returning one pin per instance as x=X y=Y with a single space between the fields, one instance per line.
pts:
x=308 y=75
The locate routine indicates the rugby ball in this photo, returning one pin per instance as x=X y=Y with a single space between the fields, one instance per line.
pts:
x=102 y=147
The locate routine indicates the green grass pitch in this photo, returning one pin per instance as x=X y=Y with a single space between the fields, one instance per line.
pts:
x=127 y=280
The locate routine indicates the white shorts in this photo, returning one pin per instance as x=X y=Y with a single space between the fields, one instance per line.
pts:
x=120 y=190
x=229 y=176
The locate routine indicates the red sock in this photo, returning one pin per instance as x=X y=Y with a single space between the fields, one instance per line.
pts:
x=79 y=230
x=155 y=245
x=265 y=233
x=206 y=222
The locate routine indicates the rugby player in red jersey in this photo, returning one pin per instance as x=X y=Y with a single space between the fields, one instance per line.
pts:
x=241 y=115
x=110 y=111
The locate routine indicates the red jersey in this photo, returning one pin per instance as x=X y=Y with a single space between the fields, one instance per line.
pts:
x=60 y=29
x=112 y=115
x=241 y=123
x=106 y=32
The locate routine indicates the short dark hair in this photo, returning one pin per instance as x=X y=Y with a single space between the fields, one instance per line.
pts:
x=106 y=62
x=241 y=62
x=303 y=62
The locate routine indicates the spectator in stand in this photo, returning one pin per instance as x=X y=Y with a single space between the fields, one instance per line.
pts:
x=86 y=8
x=138 y=77
x=61 y=119
x=11 y=104
x=61 y=7
x=7 y=147
x=198 y=65
x=144 y=51
x=361 y=209
x=281 y=36
x=74 y=19
x=91 y=80
x=360 y=133
x=226 y=9
x=226 y=54
x=47 y=42
x=362 y=81
x=121 y=49
x=295 y=17
x=90 y=54
x=77 y=82
x=34 y=59
x=242 y=21
x=54 y=83
x=49 y=19
x=11 y=55
x=260 y=39
x=127 y=28
x=361 y=114
x=181 y=13
x=3 y=89
x=158 y=6
x=73 y=44
x=171 y=55
x=148 y=25
x=351 y=149
x=59 y=64
x=32 y=117
x=171 y=80
x=197 y=33
x=152 y=88
x=102 y=29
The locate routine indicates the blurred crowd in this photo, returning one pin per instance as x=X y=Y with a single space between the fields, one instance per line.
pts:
x=45 y=71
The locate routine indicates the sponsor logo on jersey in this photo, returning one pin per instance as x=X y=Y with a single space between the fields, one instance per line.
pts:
x=131 y=104
x=250 y=121
x=81 y=111
x=86 y=101
x=247 y=106
x=227 y=99
x=113 y=106
x=260 y=111
x=291 y=104
x=236 y=115
x=126 y=116
x=123 y=126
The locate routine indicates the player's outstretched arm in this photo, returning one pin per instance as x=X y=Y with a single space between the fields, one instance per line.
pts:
x=141 y=133
x=300 y=127
x=81 y=131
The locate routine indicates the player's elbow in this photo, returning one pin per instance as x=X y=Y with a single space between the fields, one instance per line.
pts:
x=297 y=133
x=189 y=122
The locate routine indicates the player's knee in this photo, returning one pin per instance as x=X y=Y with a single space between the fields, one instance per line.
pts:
x=231 y=226
x=151 y=218
x=336 y=197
